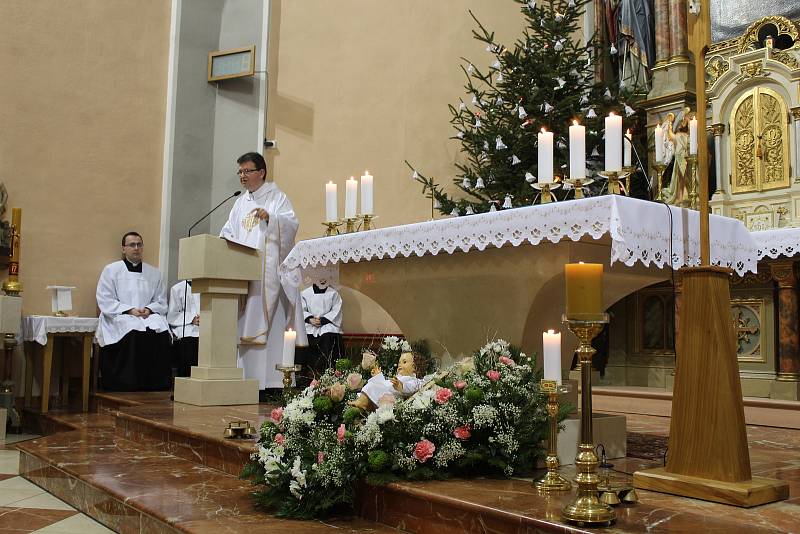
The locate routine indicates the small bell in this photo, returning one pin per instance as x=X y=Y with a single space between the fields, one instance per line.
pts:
x=559 y=17
x=479 y=184
x=415 y=176
x=522 y=113
x=466 y=184
x=493 y=206
x=629 y=111
x=571 y=3
x=470 y=69
x=454 y=213
x=462 y=106
x=498 y=143
x=499 y=101
x=486 y=145
x=607 y=94
x=595 y=153
x=559 y=46
x=507 y=203
x=532 y=5
x=631 y=496
x=470 y=211
x=529 y=178
x=591 y=114
x=500 y=77
x=610 y=498
x=547 y=108
x=474 y=100
x=561 y=144
x=496 y=64
x=584 y=100
x=436 y=204
x=561 y=82
x=460 y=135
x=477 y=123
x=613 y=50
x=514 y=160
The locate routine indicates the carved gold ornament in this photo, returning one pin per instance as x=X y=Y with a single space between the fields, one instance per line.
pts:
x=716 y=66
x=749 y=40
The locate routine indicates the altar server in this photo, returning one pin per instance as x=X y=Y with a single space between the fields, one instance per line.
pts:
x=133 y=332
x=184 y=321
x=322 y=312
x=263 y=218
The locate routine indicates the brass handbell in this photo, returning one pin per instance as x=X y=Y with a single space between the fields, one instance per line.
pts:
x=250 y=431
x=631 y=496
x=228 y=433
x=238 y=430
x=610 y=498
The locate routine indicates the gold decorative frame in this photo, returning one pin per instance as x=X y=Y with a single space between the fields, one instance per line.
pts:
x=757 y=306
x=251 y=69
x=665 y=294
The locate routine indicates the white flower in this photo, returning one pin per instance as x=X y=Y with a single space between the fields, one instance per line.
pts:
x=421 y=401
x=484 y=415
x=384 y=413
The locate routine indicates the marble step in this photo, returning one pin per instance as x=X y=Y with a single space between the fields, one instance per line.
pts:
x=133 y=487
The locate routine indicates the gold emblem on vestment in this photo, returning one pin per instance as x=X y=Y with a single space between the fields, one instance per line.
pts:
x=250 y=221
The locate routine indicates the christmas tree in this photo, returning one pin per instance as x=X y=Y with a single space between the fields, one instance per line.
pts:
x=545 y=80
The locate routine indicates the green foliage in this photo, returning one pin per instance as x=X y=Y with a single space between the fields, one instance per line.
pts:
x=344 y=365
x=474 y=394
x=379 y=460
x=323 y=404
x=545 y=79
x=350 y=415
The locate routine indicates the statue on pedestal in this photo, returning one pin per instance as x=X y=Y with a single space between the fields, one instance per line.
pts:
x=677 y=137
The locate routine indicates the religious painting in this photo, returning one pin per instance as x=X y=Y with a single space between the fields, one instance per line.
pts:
x=747 y=316
x=730 y=18
x=655 y=322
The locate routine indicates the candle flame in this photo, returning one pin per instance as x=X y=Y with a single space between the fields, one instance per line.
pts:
x=352 y=178
x=580 y=263
x=628 y=132
x=610 y=113
x=544 y=130
x=551 y=331
x=574 y=122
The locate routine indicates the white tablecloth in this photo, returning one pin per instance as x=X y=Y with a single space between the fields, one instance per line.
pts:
x=639 y=231
x=778 y=242
x=36 y=327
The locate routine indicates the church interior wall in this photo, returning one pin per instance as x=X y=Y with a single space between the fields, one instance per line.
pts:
x=83 y=92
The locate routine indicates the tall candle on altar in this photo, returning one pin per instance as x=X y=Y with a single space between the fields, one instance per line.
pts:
x=659 y=135
x=331 y=214
x=627 y=146
x=366 y=193
x=289 y=339
x=545 y=168
x=351 y=192
x=693 y=136
x=551 y=348
x=584 y=284
x=613 y=143
x=577 y=151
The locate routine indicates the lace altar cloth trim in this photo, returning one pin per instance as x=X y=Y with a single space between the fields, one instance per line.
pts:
x=639 y=231
x=778 y=242
x=36 y=327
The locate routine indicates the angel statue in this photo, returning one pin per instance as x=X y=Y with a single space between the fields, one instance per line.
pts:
x=676 y=139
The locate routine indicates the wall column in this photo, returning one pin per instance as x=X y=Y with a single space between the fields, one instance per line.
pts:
x=662 y=31
x=678 y=30
x=796 y=161
x=788 y=321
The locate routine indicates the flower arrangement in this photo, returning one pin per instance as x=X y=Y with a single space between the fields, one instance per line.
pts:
x=482 y=416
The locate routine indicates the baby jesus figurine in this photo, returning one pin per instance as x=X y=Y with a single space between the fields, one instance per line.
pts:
x=402 y=385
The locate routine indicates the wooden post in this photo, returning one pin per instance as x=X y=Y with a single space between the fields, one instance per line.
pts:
x=699 y=41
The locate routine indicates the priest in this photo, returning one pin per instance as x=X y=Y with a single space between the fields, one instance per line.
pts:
x=264 y=219
x=133 y=333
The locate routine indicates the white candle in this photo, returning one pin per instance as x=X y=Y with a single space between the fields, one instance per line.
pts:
x=693 y=136
x=289 y=339
x=577 y=151
x=551 y=348
x=659 y=134
x=331 y=214
x=351 y=192
x=628 y=143
x=545 y=157
x=366 y=193
x=613 y=142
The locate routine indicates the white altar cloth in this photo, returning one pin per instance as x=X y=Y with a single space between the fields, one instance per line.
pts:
x=639 y=232
x=36 y=327
x=777 y=242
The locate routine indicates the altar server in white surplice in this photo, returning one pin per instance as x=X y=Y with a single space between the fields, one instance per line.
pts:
x=322 y=312
x=133 y=332
x=184 y=321
x=264 y=219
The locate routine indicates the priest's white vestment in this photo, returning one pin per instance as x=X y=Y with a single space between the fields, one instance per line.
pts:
x=268 y=309
x=119 y=290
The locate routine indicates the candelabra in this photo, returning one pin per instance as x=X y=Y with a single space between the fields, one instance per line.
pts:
x=552 y=481
x=546 y=191
x=586 y=508
x=287 y=371
x=578 y=184
x=691 y=180
x=659 y=168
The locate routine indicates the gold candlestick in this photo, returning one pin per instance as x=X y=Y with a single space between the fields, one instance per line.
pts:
x=578 y=184
x=350 y=225
x=613 y=182
x=367 y=221
x=586 y=508
x=287 y=374
x=628 y=172
x=546 y=189
x=332 y=228
x=12 y=286
x=552 y=481
x=691 y=182
x=659 y=168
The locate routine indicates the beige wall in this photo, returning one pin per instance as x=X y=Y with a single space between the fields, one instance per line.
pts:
x=83 y=95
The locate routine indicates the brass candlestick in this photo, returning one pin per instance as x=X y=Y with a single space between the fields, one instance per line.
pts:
x=578 y=184
x=628 y=172
x=659 y=168
x=332 y=228
x=586 y=508
x=12 y=285
x=350 y=225
x=546 y=189
x=691 y=180
x=367 y=221
x=552 y=481
x=613 y=182
x=287 y=374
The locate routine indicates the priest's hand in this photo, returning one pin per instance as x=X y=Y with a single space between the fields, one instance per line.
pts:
x=196 y=320
x=261 y=213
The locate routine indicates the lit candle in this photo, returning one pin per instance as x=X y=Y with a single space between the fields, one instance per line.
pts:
x=577 y=151
x=545 y=166
x=551 y=345
x=331 y=214
x=693 y=136
x=627 y=145
x=366 y=193
x=613 y=142
x=659 y=144
x=584 y=288
x=289 y=339
x=351 y=192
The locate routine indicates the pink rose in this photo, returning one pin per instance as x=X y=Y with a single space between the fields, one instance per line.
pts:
x=387 y=399
x=424 y=450
x=340 y=433
x=462 y=432
x=337 y=373
x=493 y=375
x=320 y=457
x=443 y=395
x=336 y=392
x=276 y=415
x=313 y=384
x=368 y=359
x=354 y=380
x=507 y=361
x=460 y=384
x=279 y=439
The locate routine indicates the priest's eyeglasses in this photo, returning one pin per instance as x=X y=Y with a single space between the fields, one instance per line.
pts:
x=241 y=172
x=135 y=245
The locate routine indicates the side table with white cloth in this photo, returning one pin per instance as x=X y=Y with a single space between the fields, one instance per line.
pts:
x=40 y=333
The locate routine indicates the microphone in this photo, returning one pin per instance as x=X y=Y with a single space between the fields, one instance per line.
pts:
x=201 y=219
x=189 y=234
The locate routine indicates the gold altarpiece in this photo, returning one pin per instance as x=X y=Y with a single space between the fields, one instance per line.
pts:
x=754 y=99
